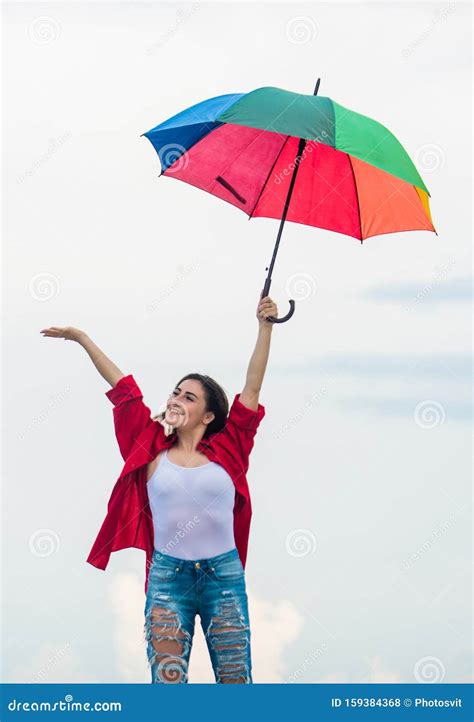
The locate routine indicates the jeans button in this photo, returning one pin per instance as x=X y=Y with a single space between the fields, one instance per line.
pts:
x=197 y=565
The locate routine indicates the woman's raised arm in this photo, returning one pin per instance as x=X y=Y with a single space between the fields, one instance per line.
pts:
x=258 y=361
x=103 y=364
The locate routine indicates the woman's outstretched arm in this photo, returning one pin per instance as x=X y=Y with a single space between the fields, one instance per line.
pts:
x=258 y=361
x=131 y=414
x=103 y=364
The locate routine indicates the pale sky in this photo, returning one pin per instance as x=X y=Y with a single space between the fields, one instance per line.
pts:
x=359 y=557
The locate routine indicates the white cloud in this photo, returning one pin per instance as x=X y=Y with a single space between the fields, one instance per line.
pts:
x=378 y=674
x=127 y=602
x=274 y=626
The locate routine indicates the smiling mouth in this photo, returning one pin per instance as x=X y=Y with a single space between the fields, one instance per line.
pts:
x=174 y=410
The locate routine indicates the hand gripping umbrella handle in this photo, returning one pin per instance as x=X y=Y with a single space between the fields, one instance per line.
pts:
x=273 y=319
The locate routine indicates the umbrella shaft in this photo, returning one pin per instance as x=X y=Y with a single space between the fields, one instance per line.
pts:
x=301 y=147
x=268 y=280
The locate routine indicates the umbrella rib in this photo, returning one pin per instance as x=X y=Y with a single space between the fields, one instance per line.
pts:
x=268 y=176
x=357 y=196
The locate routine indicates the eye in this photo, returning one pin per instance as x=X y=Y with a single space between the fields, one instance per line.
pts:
x=189 y=398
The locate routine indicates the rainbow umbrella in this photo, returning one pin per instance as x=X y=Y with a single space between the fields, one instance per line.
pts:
x=294 y=157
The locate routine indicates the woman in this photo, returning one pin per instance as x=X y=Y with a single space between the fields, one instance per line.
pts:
x=183 y=498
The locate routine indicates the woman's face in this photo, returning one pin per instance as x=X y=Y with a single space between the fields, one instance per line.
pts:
x=186 y=405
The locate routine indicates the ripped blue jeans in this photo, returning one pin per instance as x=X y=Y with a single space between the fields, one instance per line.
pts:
x=214 y=588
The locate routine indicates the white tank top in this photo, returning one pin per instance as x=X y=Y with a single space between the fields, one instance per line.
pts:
x=192 y=509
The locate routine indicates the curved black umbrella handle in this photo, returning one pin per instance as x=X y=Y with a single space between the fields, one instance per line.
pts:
x=284 y=318
x=273 y=319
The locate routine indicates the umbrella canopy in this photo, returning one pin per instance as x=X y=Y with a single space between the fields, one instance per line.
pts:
x=354 y=176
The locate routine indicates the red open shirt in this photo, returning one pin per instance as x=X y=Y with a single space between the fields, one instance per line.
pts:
x=129 y=521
